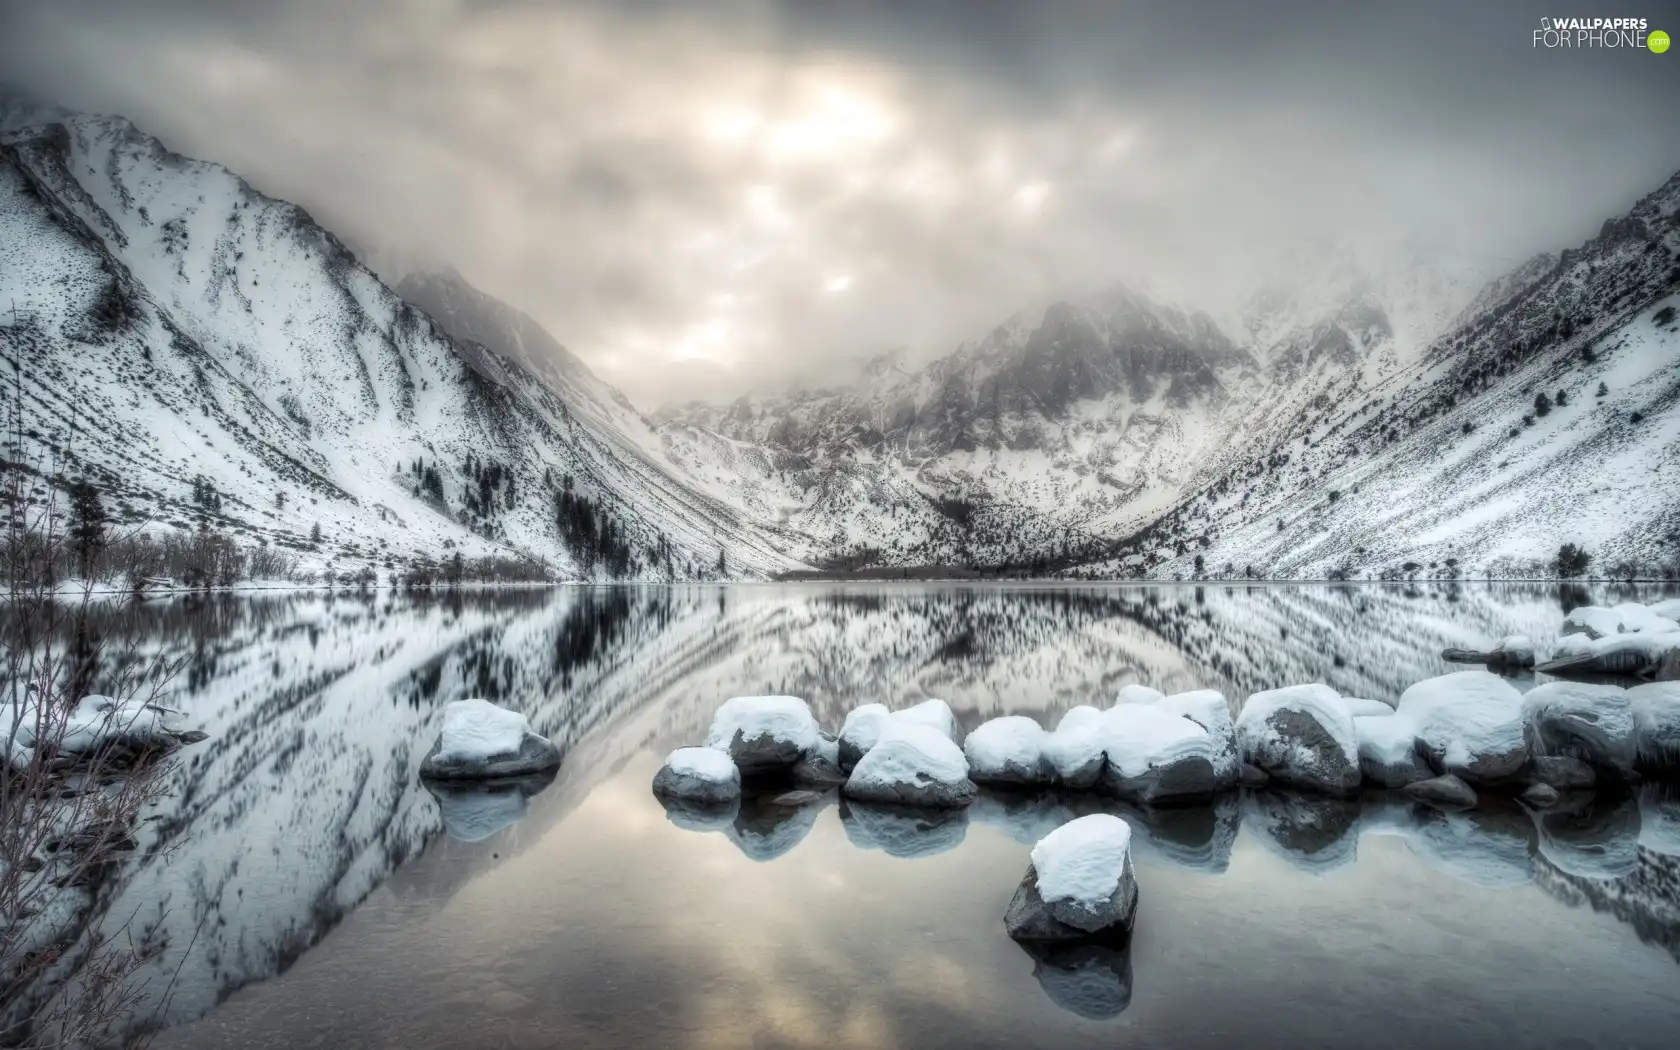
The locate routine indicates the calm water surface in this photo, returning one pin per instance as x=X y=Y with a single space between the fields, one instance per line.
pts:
x=309 y=892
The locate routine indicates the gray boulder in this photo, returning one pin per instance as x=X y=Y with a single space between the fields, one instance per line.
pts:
x=1562 y=773
x=1031 y=918
x=1443 y=792
x=1185 y=780
x=535 y=755
x=1540 y=795
x=669 y=783
x=1302 y=737
x=1594 y=723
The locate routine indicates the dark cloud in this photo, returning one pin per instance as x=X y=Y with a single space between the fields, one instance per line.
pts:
x=706 y=197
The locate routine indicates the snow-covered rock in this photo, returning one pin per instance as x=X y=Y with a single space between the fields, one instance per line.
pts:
x=1596 y=621
x=481 y=741
x=1135 y=693
x=1008 y=750
x=912 y=764
x=1638 y=653
x=1080 y=883
x=1388 y=751
x=1668 y=609
x=1358 y=707
x=1301 y=736
x=863 y=726
x=1209 y=709
x=1593 y=723
x=1656 y=720
x=1514 y=650
x=95 y=723
x=1075 y=751
x=764 y=734
x=1469 y=724
x=703 y=774
x=1157 y=756
x=859 y=732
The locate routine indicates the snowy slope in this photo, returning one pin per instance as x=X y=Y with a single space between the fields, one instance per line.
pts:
x=175 y=329
x=1451 y=465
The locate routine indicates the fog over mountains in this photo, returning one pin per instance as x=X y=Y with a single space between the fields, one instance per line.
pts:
x=177 y=332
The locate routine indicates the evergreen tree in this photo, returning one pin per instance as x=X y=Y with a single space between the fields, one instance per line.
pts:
x=1602 y=390
x=315 y=533
x=1542 y=404
x=1562 y=399
x=88 y=524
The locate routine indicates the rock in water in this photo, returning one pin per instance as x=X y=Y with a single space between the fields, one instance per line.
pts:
x=764 y=734
x=1469 y=724
x=699 y=774
x=1156 y=756
x=1301 y=736
x=1080 y=885
x=860 y=731
x=1446 y=792
x=1562 y=773
x=481 y=741
x=1209 y=709
x=1388 y=751
x=1593 y=723
x=1656 y=718
x=1007 y=750
x=912 y=764
x=1075 y=750
x=1514 y=650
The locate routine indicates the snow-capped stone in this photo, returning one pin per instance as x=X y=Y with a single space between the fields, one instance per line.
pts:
x=1593 y=723
x=934 y=713
x=1447 y=792
x=1514 y=650
x=1075 y=750
x=764 y=734
x=1080 y=883
x=1656 y=720
x=1358 y=707
x=703 y=774
x=1135 y=693
x=481 y=740
x=912 y=764
x=1302 y=736
x=1157 y=756
x=1008 y=750
x=95 y=723
x=1388 y=751
x=1469 y=723
x=1598 y=622
x=1209 y=709
x=859 y=732
x=1668 y=609
x=1633 y=653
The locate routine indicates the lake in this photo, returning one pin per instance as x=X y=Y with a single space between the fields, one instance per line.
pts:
x=306 y=890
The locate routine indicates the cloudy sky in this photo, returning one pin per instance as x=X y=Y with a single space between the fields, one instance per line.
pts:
x=704 y=198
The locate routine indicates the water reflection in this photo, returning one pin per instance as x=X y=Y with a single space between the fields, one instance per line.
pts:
x=472 y=812
x=304 y=801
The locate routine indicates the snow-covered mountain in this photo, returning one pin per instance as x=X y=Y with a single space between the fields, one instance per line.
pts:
x=1549 y=415
x=207 y=354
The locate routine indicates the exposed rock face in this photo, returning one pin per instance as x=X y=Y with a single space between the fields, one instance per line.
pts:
x=1301 y=736
x=1031 y=918
x=698 y=774
x=1182 y=781
x=1593 y=723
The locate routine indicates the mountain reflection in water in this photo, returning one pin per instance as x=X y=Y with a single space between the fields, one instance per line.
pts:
x=304 y=801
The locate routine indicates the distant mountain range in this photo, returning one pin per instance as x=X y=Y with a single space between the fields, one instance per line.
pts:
x=177 y=332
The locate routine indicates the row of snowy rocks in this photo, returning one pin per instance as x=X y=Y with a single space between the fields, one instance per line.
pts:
x=1447 y=738
x=1626 y=639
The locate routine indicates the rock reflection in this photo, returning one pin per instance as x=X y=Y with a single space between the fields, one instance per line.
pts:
x=1592 y=836
x=769 y=826
x=1093 y=981
x=1312 y=832
x=903 y=831
x=1491 y=847
x=473 y=811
